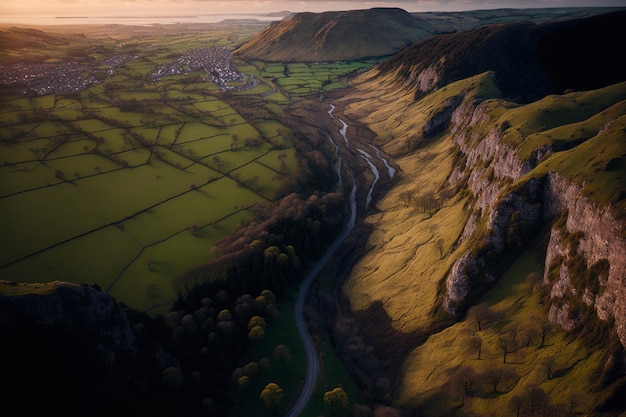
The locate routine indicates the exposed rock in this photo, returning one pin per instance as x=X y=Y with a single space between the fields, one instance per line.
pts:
x=83 y=310
x=440 y=121
x=490 y=167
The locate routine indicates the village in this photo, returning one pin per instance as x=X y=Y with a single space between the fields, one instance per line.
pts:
x=216 y=61
x=72 y=76
x=46 y=78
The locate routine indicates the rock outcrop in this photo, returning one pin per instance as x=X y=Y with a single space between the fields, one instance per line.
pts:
x=74 y=310
x=585 y=263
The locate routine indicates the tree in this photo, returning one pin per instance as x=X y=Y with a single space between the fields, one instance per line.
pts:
x=244 y=382
x=256 y=321
x=506 y=344
x=271 y=396
x=476 y=343
x=336 y=398
x=480 y=314
x=462 y=382
x=173 y=377
x=256 y=333
x=545 y=331
x=498 y=375
x=282 y=353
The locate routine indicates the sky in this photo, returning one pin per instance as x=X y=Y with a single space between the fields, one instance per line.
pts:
x=94 y=8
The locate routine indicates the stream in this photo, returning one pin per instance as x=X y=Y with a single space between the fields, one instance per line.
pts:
x=312 y=356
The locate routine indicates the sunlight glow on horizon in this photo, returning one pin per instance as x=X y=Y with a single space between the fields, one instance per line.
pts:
x=159 y=8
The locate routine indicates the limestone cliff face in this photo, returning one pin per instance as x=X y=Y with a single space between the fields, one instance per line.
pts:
x=598 y=242
x=505 y=209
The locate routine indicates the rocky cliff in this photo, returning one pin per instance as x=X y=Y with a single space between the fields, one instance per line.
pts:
x=514 y=197
x=82 y=311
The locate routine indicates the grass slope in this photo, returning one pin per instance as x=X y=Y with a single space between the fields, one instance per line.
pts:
x=409 y=251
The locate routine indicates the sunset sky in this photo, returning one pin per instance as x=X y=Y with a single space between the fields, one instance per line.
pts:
x=182 y=7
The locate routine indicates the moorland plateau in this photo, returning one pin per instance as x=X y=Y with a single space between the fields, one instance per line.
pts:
x=165 y=190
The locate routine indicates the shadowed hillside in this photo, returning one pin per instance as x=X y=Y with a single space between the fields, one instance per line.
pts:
x=510 y=208
x=529 y=60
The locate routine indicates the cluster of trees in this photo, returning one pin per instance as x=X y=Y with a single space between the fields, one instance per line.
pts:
x=270 y=251
x=205 y=345
x=428 y=202
x=465 y=382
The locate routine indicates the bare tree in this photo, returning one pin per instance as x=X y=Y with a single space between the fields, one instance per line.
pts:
x=480 y=314
x=463 y=382
x=497 y=376
x=506 y=345
x=476 y=344
x=546 y=329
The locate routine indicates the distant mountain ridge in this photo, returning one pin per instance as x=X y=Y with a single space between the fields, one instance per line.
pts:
x=329 y=36
x=530 y=60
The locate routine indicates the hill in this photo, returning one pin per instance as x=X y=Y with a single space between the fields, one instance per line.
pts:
x=331 y=36
x=510 y=205
x=378 y=32
x=530 y=60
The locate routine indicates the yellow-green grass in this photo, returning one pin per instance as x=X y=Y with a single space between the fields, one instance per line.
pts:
x=68 y=114
x=91 y=125
x=11 y=117
x=201 y=148
x=262 y=180
x=47 y=129
x=42 y=102
x=76 y=146
x=49 y=215
x=161 y=263
x=200 y=206
x=589 y=164
x=19 y=132
x=234 y=160
x=117 y=116
x=147 y=135
x=95 y=258
x=428 y=368
x=272 y=159
x=271 y=128
x=137 y=96
x=278 y=97
x=169 y=133
x=192 y=131
x=274 y=69
x=334 y=86
x=31 y=150
x=14 y=289
x=211 y=106
x=583 y=127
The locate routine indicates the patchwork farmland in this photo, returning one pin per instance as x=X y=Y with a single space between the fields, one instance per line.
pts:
x=122 y=168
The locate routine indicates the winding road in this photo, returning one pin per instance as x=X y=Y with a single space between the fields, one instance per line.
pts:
x=312 y=356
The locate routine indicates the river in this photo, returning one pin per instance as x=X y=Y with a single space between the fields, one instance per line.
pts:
x=312 y=356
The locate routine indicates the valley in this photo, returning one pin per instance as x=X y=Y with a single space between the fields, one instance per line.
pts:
x=444 y=232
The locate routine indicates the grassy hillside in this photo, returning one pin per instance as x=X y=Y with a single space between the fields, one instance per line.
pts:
x=410 y=250
x=331 y=36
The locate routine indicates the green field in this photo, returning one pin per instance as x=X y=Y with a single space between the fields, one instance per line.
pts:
x=128 y=182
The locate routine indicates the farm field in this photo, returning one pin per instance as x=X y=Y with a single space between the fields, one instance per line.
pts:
x=123 y=170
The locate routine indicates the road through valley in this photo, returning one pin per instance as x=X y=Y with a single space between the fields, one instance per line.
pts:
x=312 y=355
